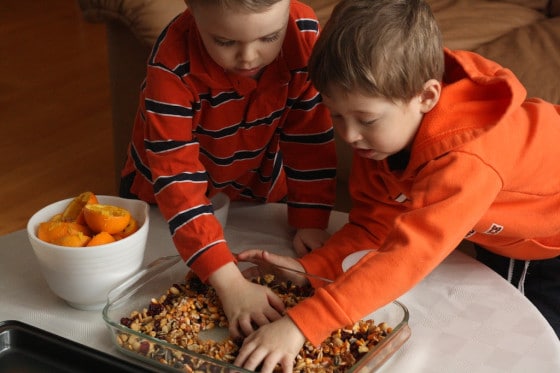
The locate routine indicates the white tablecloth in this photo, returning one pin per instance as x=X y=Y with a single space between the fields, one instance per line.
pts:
x=463 y=316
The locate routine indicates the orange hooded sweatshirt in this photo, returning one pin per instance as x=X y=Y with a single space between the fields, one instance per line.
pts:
x=483 y=166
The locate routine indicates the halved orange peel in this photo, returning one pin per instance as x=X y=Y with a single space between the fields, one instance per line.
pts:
x=74 y=240
x=101 y=238
x=128 y=230
x=106 y=218
x=54 y=231
x=74 y=210
x=86 y=222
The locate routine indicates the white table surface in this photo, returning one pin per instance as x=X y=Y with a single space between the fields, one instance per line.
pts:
x=463 y=316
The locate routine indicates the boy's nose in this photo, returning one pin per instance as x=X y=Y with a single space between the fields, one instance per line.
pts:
x=347 y=133
x=247 y=54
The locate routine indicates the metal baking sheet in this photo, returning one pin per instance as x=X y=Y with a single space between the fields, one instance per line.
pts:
x=25 y=348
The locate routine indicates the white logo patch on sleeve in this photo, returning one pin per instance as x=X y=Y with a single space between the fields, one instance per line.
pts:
x=494 y=229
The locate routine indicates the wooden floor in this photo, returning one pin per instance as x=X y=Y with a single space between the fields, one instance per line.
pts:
x=55 y=123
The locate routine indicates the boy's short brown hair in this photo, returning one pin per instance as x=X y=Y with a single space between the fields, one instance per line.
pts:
x=382 y=48
x=249 y=5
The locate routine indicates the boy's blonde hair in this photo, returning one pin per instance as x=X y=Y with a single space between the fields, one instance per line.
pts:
x=249 y=5
x=382 y=48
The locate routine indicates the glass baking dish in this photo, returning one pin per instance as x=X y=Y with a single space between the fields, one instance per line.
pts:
x=157 y=277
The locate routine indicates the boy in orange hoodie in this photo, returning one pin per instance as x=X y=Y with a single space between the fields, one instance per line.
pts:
x=227 y=106
x=446 y=147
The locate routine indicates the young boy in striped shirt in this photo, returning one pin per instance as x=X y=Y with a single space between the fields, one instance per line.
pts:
x=227 y=106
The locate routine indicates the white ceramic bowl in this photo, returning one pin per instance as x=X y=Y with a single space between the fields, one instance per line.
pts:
x=83 y=276
x=220 y=203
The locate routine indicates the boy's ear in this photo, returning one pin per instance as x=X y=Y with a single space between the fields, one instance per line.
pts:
x=430 y=94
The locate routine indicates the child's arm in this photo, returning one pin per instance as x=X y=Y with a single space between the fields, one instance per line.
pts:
x=306 y=134
x=309 y=157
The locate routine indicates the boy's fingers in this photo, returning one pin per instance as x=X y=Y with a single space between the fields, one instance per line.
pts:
x=250 y=254
x=234 y=330
x=301 y=249
x=279 y=260
x=245 y=325
x=248 y=358
x=276 y=304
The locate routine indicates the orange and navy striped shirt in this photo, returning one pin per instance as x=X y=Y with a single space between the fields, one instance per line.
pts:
x=199 y=131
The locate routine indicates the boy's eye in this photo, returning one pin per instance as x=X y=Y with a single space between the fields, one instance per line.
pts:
x=228 y=43
x=223 y=42
x=271 y=38
x=367 y=122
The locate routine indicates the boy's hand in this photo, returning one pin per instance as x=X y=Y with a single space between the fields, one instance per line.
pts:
x=272 y=263
x=247 y=305
x=275 y=343
x=308 y=239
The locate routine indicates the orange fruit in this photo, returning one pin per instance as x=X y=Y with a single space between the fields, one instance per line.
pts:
x=101 y=238
x=57 y=217
x=106 y=218
x=52 y=231
x=128 y=230
x=74 y=210
x=73 y=240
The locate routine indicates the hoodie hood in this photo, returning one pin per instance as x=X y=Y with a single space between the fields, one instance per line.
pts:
x=477 y=95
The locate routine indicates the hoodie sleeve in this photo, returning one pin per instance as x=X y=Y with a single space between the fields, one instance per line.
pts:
x=445 y=201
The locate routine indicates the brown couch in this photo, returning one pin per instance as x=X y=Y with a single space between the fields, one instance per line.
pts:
x=523 y=35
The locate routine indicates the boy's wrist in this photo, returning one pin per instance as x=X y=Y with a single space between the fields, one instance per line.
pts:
x=224 y=277
x=212 y=260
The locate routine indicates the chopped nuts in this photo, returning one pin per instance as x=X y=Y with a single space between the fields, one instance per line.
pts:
x=178 y=317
